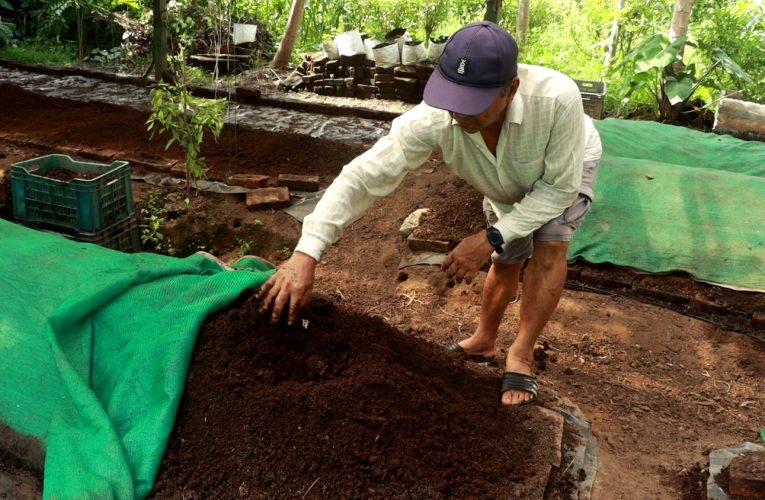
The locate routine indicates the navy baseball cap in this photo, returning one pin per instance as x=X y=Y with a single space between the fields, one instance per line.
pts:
x=478 y=60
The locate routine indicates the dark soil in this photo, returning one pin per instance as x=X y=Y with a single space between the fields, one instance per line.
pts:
x=65 y=175
x=348 y=408
x=693 y=483
x=120 y=129
x=455 y=212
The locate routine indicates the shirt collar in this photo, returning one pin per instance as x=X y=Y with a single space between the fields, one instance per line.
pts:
x=515 y=110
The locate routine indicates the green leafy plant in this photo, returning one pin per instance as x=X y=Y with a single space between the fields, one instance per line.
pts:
x=656 y=66
x=155 y=216
x=176 y=111
x=105 y=56
x=245 y=247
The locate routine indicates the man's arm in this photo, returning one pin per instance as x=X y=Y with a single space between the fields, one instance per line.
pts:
x=373 y=174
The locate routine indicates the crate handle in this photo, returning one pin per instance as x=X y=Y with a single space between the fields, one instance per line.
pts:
x=112 y=182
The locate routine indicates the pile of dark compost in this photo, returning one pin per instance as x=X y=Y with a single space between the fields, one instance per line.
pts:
x=346 y=408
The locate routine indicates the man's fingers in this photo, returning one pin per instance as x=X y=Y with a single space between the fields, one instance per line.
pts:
x=447 y=262
x=265 y=287
x=279 y=302
x=296 y=303
x=469 y=277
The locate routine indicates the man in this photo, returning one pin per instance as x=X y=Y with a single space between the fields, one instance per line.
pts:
x=519 y=135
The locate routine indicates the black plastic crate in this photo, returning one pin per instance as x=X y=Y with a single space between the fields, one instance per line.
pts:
x=84 y=205
x=593 y=97
x=124 y=236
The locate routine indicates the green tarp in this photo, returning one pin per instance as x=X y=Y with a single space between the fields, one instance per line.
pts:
x=670 y=198
x=94 y=349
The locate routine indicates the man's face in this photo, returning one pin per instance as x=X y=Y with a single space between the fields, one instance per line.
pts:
x=494 y=114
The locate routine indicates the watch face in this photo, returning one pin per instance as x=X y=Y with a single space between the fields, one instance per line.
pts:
x=494 y=236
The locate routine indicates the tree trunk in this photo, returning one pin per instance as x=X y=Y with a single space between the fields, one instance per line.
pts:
x=159 y=39
x=523 y=22
x=283 y=55
x=613 y=37
x=680 y=19
x=493 y=8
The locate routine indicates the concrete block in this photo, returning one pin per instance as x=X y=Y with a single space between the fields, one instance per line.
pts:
x=299 y=182
x=251 y=181
x=265 y=198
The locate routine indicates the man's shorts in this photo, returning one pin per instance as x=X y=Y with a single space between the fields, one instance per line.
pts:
x=561 y=228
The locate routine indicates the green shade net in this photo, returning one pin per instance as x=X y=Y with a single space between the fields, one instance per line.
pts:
x=673 y=199
x=94 y=349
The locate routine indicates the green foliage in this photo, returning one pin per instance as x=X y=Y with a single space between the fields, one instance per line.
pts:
x=567 y=35
x=739 y=29
x=41 y=52
x=245 y=247
x=155 y=216
x=186 y=118
x=655 y=66
x=104 y=56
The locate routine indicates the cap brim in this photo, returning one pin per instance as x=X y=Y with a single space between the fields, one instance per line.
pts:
x=444 y=94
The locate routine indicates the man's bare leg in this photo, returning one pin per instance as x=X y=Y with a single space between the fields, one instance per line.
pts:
x=500 y=287
x=543 y=282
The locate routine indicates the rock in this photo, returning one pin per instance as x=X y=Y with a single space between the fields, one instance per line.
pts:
x=412 y=221
x=747 y=475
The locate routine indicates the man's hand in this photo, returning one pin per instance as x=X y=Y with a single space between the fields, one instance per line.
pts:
x=289 y=287
x=466 y=260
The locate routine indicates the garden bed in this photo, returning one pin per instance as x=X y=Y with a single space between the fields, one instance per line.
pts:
x=660 y=388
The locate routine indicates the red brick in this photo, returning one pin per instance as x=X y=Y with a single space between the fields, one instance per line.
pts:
x=178 y=170
x=662 y=296
x=299 y=182
x=758 y=320
x=247 y=94
x=251 y=181
x=572 y=274
x=265 y=198
x=599 y=281
x=423 y=245
x=707 y=306
x=747 y=475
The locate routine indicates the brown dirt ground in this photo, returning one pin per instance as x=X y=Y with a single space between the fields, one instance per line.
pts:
x=661 y=388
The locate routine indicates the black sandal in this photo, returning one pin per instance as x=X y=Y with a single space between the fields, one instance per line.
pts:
x=521 y=382
x=475 y=358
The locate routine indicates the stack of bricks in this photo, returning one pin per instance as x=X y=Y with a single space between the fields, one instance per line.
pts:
x=344 y=77
x=357 y=77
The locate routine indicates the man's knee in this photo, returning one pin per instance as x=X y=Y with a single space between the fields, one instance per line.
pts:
x=549 y=253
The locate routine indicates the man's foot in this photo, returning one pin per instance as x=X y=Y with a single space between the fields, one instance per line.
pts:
x=476 y=345
x=517 y=364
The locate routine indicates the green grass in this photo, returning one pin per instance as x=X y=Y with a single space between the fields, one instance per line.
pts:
x=36 y=52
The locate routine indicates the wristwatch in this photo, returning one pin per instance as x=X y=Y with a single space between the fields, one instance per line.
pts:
x=495 y=238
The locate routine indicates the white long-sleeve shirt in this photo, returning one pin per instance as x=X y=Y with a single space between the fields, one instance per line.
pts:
x=535 y=175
